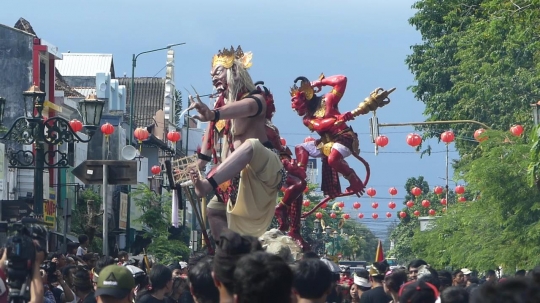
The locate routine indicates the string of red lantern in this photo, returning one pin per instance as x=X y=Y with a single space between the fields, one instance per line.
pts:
x=426 y=203
x=438 y=190
x=356 y=205
x=371 y=192
x=410 y=204
x=416 y=191
x=414 y=139
x=403 y=214
x=389 y=215
x=460 y=190
x=375 y=205
x=431 y=212
x=381 y=141
x=76 y=125
x=447 y=137
x=391 y=205
x=516 y=130
x=174 y=136
x=306 y=203
x=156 y=169
x=478 y=135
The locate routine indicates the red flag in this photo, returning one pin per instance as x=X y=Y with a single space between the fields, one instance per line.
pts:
x=379 y=255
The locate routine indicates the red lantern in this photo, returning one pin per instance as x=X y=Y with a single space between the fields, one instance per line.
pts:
x=438 y=190
x=426 y=203
x=107 y=129
x=478 y=135
x=431 y=212
x=174 y=136
x=410 y=204
x=356 y=205
x=416 y=191
x=443 y=201
x=309 y=139
x=402 y=214
x=516 y=130
x=306 y=203
x=388 y=215
x=318 y=215
x=374 y=216
x=392 y=191
x=414 y=140
x=460 y=190
x=333 y=215
x=416 y=213
x=76 y=125
x=375 y=205
x=371 y=192
x=141 y=134
x=346 y=216
x=447 y=137
x=156 y=169
x=306 y=190
x=341 y=204
x=324 y=205
x=381 y=141
x=283 y=142
x=360 y=216
x=462 y=199
x=392 y=205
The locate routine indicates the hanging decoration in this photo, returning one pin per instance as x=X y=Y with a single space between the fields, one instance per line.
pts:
x=324 y=205
x=381 y=141
x=371 y=192
x=402 y=214
x=460 y=190
x=107 y=129
x=516 y=130
x=416 y=191
x=447 y=137
x=141 y=134
x=306 y=203
x=174 y=136
x=374 y=216
x=478 y=135
x=333 y=215
x=76 y=125
x=462 y=199
x=375 y=205
x=426 y=203
x=156 y=169
x=392 y=191
x=318 y=215
x=443 y=201
x=389 y=215
x=356 y=205
x=306 y=190
x=416 y=213
x=438 y=190
x=410 y=204
x=341 y=204
x=391 y=205
x=414 y=139
x=360 y=216
x=346 y=216
x=431 y=212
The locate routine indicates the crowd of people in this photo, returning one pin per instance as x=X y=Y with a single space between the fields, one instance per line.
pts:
x=241 y=272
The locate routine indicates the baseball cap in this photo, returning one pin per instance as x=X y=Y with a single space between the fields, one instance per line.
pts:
x=115 y=281
x=466 y=271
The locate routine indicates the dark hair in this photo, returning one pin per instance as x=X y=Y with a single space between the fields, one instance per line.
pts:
x=535 y=273
x=71 y=246
x=82 y=239
x=521 y=273
x=81 y=280
x=445 y=278
x=310 y=255
x=102 y=263
x=513 y=290
x=456 y=272
x=200 y=279
x=416 y=263
x=455 y=294
x=418 y=292
x=490 y=272
x=432 y=278
x=66 y=270
x=262 y=277
x=123 y=253
x=312 y=278
x=158 y=277
x=231 y=248
x=382 y=268
x=395 y=280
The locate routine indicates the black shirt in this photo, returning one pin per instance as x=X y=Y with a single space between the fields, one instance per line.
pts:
x=148 y=298
x=375 y=295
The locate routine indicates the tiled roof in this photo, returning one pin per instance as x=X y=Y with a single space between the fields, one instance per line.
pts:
x=85 y=91
x=149 y=98
x=85 y=65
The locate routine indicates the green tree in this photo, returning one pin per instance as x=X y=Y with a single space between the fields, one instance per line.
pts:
x=178 y=106
x=156 y=214
x=87 y=219
x=501 y=227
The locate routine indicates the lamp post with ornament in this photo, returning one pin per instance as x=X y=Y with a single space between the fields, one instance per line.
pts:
x=45 y=134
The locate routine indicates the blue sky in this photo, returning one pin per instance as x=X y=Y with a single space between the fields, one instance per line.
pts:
x=365 y=40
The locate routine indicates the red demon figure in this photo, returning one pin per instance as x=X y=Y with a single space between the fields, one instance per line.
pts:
x=338 y=140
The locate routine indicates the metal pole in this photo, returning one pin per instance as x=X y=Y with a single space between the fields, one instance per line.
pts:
x=187 y=152
x=105 y=215
x=38 y=175
x=434 y=122
x=66 y=212
x=447 y=188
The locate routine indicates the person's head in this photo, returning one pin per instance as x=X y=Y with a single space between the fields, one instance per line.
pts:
x=72 y=248
x=70 y=261
x=262 y=277
x=458 y=278
x=361 y=283
x=521 y=273
x=83 y=240
x=455 y=294
x=430 y=275
x=491 y=276
x=512 y=290
x=176 y=269
x=413 y=268
x=100 y=264
x=535 y=275
x=394 y=281
x=378 y=271
x=229 y=72
x=123 y=256
x=312 y=279
x=59 y=259
x=445 y=279
x=160 y=277
x=466 y=274
x=231 y=248
x=472 y=281
x=418 y=292
x=140 y=277
x=115 y=284
x=82 y=283
x=201 y=283
x=90 y=260
x=68 y=271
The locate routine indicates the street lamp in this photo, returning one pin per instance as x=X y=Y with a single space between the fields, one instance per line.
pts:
x=131 y=117
x=32 y=128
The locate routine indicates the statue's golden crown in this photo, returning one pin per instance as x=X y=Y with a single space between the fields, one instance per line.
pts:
x=226 y=57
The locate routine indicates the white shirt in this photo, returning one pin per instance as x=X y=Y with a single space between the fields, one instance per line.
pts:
x=81 y=251
x=74 y=296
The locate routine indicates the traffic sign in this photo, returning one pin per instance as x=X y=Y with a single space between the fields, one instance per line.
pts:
x=118 y=172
